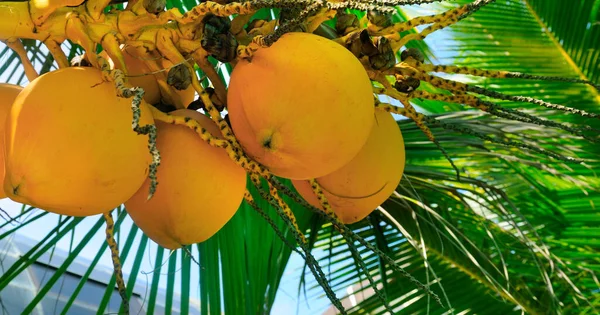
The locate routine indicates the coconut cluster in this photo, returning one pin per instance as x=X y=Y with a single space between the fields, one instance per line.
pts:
x=303 y=108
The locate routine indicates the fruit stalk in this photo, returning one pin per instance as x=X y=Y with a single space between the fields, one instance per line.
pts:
x=16 y=22
x=150 y=130
x=17 y=46
x=114 y=254
x=201 y=58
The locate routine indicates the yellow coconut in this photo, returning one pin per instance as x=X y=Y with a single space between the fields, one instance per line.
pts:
x=302 y=107
x=369 y=179
x=70 y=148
x=199 y=188
x=140 y=75
x=8 y=93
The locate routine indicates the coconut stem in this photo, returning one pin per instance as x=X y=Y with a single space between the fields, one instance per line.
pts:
x=114 y=253
x=17 y=46
x=138 y=94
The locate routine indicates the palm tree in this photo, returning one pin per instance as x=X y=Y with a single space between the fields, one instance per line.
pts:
x=516 y=233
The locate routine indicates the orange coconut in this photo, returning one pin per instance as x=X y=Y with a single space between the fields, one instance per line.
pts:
x=8 y=93
x=199 y=188
x=302 y=107
x=140 y=75
x=369 y=179
x=70 y=148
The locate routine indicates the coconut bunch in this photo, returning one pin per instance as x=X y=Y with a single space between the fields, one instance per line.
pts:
x=83 y=139
x=70 y=148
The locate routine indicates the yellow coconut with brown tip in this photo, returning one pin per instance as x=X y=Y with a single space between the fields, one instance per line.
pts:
x=199 y=188
x=302 y=107
x=140 y=75
x=8 y=94
x=369 y=179
x=70 y=148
